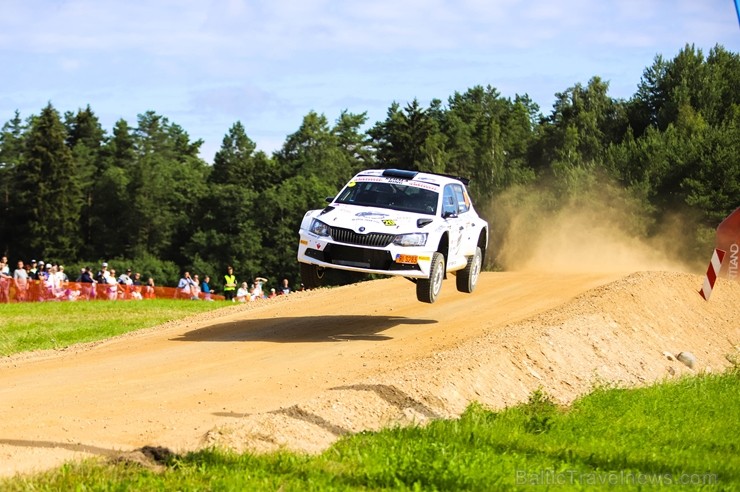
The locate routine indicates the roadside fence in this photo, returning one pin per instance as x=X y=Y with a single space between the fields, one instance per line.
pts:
x=42 y=291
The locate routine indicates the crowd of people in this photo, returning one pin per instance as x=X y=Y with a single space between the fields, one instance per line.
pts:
x=246 y=292
x=40 y=281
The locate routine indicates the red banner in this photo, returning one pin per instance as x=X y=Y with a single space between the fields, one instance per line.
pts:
x=41 y=291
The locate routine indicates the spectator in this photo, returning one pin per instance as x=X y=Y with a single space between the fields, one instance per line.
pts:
x=37 y=283
x=148 y=289
x=185 y=286
x=272 y=293
x=257 y=292
x=242 y=294
x=125 y=278
x=111 y=285
x=32 y=271
x=63 y=278
x=40 y=273
x=229 y=284
x=99 y=277
x=195 y=288
x=285 y=289
x=126 y=282
x=136 y=287
x=87 y=284
x=205 y=288
x=63 y=281
x=47 y=271
x=5 y=280
x=20 y=281
x=54 y=289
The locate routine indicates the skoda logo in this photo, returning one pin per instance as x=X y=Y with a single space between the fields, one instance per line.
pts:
x=362 y=229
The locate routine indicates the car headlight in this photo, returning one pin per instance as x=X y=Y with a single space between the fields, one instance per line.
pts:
x=319 y=228
x=413 y=239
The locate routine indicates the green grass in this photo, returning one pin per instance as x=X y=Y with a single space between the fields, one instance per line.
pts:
x=683 y=434
x=54 y=325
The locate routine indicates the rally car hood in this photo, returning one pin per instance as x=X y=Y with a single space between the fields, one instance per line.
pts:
x=372 y=219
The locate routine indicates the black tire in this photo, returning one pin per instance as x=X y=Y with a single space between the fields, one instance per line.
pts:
x=312 y=276
x=468 y=276
x=427 y=289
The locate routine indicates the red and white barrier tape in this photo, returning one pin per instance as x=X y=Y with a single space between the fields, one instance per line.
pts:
x=712 y=272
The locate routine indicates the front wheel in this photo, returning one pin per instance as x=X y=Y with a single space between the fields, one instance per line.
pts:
x=427 y=289
x=312 y=276
x=468 y=277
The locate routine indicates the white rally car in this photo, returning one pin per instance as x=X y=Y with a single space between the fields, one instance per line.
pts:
x=396 y=222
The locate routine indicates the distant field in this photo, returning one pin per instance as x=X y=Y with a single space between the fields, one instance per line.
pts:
x=53 y=325
x=681 y=434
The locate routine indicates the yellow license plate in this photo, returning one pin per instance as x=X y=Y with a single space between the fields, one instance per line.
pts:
x=411 y=259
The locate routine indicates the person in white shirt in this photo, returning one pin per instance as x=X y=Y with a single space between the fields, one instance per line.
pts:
x=257 y=292
x=186 y=285
x=125 y=278
x=242 y=293
x=61 y=275
x=195 y=288
x=109 y=278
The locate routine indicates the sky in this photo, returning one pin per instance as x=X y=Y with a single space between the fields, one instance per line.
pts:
x=205 y=65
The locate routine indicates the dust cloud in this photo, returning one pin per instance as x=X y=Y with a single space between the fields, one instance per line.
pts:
x=535 y=230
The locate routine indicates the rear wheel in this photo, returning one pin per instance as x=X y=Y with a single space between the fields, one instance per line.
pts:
x=468 y=277
x=427 y=289
x=312 y=276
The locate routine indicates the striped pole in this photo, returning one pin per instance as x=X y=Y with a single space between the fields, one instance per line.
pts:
x=712 y=272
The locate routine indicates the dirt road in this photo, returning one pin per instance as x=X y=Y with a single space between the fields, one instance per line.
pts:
x=302 y=370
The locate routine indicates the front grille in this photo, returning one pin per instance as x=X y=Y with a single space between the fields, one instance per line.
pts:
x=359 y=258
x=348 y=236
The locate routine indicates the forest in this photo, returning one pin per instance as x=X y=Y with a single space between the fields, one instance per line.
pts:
x=139 y=194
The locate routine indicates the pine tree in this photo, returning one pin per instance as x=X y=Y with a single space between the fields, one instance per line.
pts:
x=49 y=188
x=11 y=153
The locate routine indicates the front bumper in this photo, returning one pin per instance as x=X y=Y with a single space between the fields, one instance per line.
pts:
x=412 y=262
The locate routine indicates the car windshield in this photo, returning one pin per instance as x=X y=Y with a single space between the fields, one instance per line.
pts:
x=395 y=196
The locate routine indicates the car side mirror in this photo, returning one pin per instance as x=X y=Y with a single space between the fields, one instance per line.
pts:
x=448 y=215
x=329 y=199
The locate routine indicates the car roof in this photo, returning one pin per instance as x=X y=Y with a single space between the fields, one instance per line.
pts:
x=406 y=174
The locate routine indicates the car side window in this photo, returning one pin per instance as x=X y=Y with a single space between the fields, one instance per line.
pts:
x=461 y=197
x=449 y=201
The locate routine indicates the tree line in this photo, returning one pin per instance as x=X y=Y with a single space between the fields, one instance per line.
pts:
x=142 y=195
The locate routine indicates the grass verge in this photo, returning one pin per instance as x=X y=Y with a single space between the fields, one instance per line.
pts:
x=53 y=325
x=682 y=434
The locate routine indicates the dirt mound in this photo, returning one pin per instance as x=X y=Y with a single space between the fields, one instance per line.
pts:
x=300 y=372
x=625 y=333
